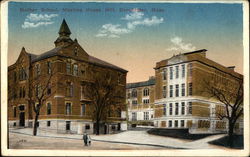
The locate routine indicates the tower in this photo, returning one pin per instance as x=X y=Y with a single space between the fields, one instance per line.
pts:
x=64 y=35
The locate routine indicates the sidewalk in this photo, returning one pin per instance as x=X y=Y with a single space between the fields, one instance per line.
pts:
x=133 y=138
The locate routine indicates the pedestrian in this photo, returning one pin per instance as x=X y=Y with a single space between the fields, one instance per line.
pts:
x=89 y=140
x=85 y=139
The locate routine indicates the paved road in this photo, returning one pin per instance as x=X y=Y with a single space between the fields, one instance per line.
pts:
x=21 y=141
x=132 y=139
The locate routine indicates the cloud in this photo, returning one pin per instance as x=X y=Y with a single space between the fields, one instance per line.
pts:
x=112 y=31
x=133 y=19
x=146 y=22
x=133 y=16
x=179 y=45
x=36 y=20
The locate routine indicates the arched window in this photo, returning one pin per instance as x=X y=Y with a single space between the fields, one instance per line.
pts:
x=134 y=93
x=146 y=92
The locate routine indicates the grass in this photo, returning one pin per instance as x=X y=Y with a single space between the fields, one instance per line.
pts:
x=177 y=133
x=238 y=142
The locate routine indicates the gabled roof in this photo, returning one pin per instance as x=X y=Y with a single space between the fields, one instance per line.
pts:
x=48 y=54
x=91 y=59
x=149 y=82
x=97 y=61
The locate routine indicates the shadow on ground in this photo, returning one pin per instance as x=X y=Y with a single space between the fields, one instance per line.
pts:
x=238 y=142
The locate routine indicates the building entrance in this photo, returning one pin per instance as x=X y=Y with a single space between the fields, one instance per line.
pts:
x=21 y=118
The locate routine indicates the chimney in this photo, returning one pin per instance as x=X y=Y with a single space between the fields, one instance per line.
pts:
x=231 y=67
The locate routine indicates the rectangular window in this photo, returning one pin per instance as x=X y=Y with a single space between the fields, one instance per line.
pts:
x=190 y=107
x=48 y=123
x=24 y=92
x=171 y=73
x=49 y=67
x=183 y=89
x=48 y=108
x=190 y=89
x=177 y=90
x=134 y=93
x=190 y=69
x=171 y=91
x=177 y=71
x=134 y=116
x=75 y=72
x=68 y=68
x=176 y=108
x=182 y=108
x=83 y=109
x=164 y=91
x=183 y=70
x=164 y=109
x=69 y=89
x=134 y=102
x=145 y=101
x=87 y=126
x=170 y=109
x=38 y=90
x=38 y=70
x=146 y=115
x=49 y=89
x=170 y=123
x=182 y=123
x=67 y=125
x=14 y=111
x=68 y=108
x=164 y=75
x=176 y=123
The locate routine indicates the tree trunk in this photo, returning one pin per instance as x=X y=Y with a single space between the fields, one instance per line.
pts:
x=35 y=124
x=97 y=127
x=230 y=134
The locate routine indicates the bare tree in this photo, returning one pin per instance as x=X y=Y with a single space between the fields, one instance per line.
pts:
x=228 y=91
x=102 y=92
x=40 y=90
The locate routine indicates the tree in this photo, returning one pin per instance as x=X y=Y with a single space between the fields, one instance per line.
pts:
x=103 y=93
x=40 y=89
x=228 y=91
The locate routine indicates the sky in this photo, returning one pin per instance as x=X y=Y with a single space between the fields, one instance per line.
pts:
x=133 y=36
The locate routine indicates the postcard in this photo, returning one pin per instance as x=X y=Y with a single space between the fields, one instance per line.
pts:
x=125 y=78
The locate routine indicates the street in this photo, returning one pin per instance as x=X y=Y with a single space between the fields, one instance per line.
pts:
x=128 y=140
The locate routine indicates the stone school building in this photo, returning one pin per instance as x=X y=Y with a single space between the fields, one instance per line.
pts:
x=67 y=109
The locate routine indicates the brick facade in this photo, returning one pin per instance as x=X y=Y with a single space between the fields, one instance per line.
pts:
x=72 y=67
x=140 y=100
x=180 y=100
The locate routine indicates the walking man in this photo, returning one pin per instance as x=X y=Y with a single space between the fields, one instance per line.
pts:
x=85 y=139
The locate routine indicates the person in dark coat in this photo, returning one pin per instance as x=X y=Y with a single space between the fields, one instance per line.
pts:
x=85 y=139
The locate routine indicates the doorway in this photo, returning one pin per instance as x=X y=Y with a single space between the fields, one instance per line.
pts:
x=22 y=119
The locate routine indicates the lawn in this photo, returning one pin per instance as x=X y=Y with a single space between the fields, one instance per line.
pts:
x=177 y=133
x=238 y=142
